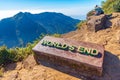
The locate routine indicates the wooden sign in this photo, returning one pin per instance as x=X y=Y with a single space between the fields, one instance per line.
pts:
x=84 y=57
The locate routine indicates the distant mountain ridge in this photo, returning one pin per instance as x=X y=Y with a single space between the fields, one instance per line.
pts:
x=26 y=27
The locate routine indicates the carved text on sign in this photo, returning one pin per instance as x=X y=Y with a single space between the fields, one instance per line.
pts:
x=80 y=49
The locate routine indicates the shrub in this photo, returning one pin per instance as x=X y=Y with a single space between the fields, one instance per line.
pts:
x=56 y=35
x=90 y=13
x=4 y=54
x=108 y=6
x=16 y=54
x=116 y=6
x=81 y=24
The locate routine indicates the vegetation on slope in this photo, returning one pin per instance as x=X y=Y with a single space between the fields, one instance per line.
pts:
x=81 y=24
x=16 y=54
x=110 y=6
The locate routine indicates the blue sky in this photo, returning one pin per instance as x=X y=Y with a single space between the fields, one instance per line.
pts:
x=74 y=8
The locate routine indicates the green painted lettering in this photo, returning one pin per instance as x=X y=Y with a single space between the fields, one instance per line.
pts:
x=94 y=52
x=64 y=47
x=81 y=49
x=44 y=42
x=72 y=48
x=55 y=44
x=87 y=51
x=49 y=44
x=58 y=45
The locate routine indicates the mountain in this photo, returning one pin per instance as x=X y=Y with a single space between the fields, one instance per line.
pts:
x=26 y=27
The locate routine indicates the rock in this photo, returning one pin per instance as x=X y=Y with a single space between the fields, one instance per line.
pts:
x=11 y=66
x=114 y=21
x=96 y=23
x=29 y=63
x=19 y=66
x=73 y=55
x=118 y=36
x=13 y=75
x=115 y=15
x=119 y=57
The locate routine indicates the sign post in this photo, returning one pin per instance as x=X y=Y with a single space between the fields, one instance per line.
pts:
x=84 y=57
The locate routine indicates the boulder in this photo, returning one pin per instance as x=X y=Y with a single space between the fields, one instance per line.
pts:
x=96 y=23
x=114 y=21
x=71 y=56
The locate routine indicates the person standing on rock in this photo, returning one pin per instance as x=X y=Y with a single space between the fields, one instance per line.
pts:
x=98 y=10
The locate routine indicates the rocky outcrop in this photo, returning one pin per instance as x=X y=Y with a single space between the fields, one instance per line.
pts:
x=95 y=23
x=113 y=21
x=110 y=38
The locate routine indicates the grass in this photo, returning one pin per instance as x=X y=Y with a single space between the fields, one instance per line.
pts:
x=81 y=24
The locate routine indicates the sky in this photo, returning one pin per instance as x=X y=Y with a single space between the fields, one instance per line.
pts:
x=74 y=8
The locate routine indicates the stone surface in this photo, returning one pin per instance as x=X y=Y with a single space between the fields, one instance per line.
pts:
x=29 y=63
x=85 y=64
x=96 y=23
x=114 y=21
x=11 y=76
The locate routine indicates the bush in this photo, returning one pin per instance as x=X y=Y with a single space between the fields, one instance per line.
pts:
x=4 y=54
x=90 y=13
x=81 y=24
x=116 y=6
x=56 y=35
x=108 y=6
x=16 y=54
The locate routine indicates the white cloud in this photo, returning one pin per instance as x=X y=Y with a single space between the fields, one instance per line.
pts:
x=70 y=12
x=10 y=13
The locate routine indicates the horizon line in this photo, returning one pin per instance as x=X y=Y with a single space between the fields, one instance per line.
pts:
x=15 y=12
